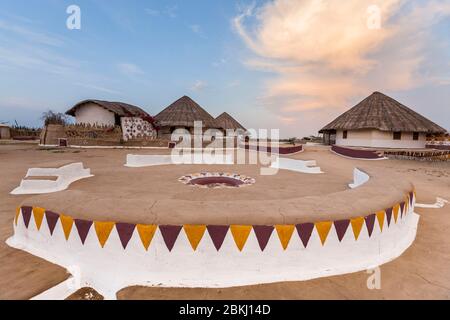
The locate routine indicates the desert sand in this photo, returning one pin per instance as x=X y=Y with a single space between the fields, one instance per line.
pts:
x=421 y=272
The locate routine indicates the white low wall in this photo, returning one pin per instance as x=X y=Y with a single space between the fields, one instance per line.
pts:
x=134 y=160
x=112 y=267
x=296 y=165
x=379 y=139
x=359 y=178
x=65 y=176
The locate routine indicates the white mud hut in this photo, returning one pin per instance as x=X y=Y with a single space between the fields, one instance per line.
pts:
x=380 y=122
x=134 y=121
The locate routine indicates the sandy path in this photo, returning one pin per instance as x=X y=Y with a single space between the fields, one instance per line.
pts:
x=422 y=272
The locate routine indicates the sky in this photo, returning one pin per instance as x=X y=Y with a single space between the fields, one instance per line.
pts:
x=292 y=65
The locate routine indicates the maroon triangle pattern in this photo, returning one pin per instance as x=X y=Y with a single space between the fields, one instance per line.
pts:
x=341 y=227
x=263 y=234
x=217 y=234
x=125 y=231
x=388 y=216
x=26 y=215
x=83 y=227
x=370 y=223
x=304 y=231
x=170 y=235
x=52 y=219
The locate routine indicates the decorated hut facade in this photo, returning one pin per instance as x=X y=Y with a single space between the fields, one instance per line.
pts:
x=182 y=114
x=134 y=121
x=380 y=121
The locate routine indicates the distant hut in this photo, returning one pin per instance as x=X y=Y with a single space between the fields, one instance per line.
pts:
x=381 y=122
x=5 y=131
x=135 y=122
x=181 y=115
x=227 y=122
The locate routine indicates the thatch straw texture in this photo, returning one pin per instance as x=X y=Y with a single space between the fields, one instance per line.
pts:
x=381 y=112
x=119 y=108
x=183 y=113
x=225 y=121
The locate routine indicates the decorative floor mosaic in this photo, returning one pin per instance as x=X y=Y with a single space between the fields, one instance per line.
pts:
x=214 y=180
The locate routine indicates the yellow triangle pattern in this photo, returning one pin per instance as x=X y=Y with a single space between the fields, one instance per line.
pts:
x=395 y=211
x=195 y=234
x=17 y=215
x=38 y=214
x=240 y=235
x=146 y=233
x=67 y=224
x=284 y=234
x=406 y=205
x=380 y=217
x=103 y=230
x=323 y=228
x=357 y=224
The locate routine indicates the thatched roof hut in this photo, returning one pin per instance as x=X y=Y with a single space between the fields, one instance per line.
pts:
x=383 y=113
x=119 y=108
x=105 y=112
x=225 y=121
x=377 y=121
x=183 y=113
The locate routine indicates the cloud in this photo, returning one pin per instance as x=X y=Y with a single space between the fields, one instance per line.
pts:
x=320 y=55
x=199 y=85
x=97 y=88
x=30 y=35
x=219 y=62
x=130 y=69
x=197 y=29
x=152 y=12
x=171 y=11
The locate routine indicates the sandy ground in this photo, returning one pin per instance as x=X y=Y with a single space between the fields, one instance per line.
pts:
x=422 y=272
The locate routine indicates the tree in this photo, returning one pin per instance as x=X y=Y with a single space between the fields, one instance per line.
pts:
x=51 y=117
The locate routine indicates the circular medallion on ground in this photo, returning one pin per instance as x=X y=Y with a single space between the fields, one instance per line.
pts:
x=217 y=180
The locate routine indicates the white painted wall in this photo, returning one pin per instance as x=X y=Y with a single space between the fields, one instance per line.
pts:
x=112 y=268
x=91 y=113
x=379 y=139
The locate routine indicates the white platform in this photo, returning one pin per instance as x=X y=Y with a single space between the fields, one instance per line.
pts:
x=65 y=176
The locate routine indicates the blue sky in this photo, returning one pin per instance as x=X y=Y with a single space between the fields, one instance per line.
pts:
x=220 y=53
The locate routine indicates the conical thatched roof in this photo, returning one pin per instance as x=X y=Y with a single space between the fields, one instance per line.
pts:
x=184 y=112
x=381 y=112
x=225 y=121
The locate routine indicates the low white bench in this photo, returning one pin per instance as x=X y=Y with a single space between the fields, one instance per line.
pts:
x=297 y=165
x=65 y=176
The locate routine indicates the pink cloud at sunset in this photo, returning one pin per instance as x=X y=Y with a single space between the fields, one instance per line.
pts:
x=322 y=54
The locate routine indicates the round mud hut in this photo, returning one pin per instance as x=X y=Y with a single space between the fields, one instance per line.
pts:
x=229 y=125
x=380 y=121
x=181 y=115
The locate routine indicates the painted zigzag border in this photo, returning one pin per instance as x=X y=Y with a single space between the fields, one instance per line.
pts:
x=217 y=233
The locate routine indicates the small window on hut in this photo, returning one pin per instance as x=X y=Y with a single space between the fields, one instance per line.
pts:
x=344 y=134
x=397 y=136
x=415 y=136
